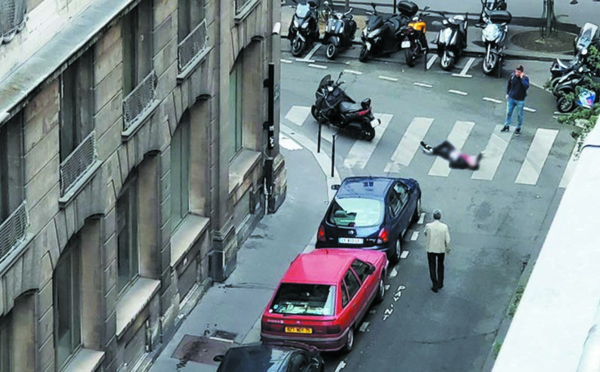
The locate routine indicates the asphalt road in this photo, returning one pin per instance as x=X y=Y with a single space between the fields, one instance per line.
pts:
x=498 y=219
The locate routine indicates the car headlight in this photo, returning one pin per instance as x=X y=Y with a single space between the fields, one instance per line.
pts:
x=374 y=33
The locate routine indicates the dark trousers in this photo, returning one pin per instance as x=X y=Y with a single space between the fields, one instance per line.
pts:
x=436 y=280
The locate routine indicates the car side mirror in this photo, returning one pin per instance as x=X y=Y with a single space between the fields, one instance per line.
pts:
x=335 y=187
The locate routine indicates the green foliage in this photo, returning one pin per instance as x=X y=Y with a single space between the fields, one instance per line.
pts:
x=496 y=348
x=512 y=309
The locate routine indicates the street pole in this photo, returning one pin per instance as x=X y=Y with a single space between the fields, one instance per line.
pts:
x=319 y=139
x=333 y=154
x=269 y=126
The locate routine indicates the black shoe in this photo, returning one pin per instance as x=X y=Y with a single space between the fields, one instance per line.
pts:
x=505 y=129
x=441 y=286
x=434 y=289
x=518 y=131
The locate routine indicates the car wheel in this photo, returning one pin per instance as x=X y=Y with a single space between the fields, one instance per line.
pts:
x=349 y=345
x=397 y=251
x=417 y=214
x=380 y=291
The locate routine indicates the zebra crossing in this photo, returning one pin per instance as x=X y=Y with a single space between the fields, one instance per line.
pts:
x=361 y=151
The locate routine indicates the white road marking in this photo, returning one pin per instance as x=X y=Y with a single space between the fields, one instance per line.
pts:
x=400 y=287
x=529 y=109
x=387 y=78
x=431 y=61
x=317 y=66
x=404 y=254
x=462 y=76
x=353 y=72
x=423 y=85
x=536 y=156
x=568 y=174
x=387 y=287
x=492 y=100
x=421 y=218
x=340 y=366
x=467 y=66
x=409 y=144
x=493 y=153
x=393 y=273
x=297 y=114
x=458 y=137
x=415 y=235
x=361 y=151
x=457 y=92
x=286 y=61
x=363 y=327
x=310 y=54
x=305 y=60
x=288 y=143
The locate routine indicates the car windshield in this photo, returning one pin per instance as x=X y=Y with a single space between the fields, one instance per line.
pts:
x=304 y=299
x=356 y=212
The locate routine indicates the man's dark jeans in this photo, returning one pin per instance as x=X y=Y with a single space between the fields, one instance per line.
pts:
x=436 y=280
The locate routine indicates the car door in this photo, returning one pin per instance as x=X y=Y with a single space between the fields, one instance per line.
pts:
x=368 y=282
x=394 y=209
x=403 y=194
x=354 y=306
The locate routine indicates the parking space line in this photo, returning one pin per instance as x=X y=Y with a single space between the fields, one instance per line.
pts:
x=317 y=66
x=388 y=78
x=458 y=136
x=431 y=61
x=423 y=85
x=353 y=72
x=305 y=60
x=536 y=156
x=310 y=54
x=415 y=235
x=467 y=67
x=457 y=92
x=492 y=100
x=529 y=109
x=286 y=60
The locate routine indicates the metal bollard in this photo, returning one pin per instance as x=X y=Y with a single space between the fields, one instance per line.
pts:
x=319 y=139
x=333 y=154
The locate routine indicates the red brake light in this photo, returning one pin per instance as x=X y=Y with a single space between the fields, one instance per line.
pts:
x=364 y=112
x=383 y=237
x=271 y=327
x=321 y=234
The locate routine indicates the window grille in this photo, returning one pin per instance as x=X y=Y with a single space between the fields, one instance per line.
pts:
x=12 y=18
x=77 y=163
x=13 y=230
x=139 y=100
x=192 y=46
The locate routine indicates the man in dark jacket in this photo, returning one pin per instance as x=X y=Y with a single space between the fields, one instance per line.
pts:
x=516 y=91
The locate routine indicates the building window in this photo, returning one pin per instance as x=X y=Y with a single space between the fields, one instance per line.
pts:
x=236 y=107
x=11 y=166
x=189 y=15
x=180 y=172
x=137 y=45
x=127 y=233
x=67 y=302
x=5 y=342
x=76 y=104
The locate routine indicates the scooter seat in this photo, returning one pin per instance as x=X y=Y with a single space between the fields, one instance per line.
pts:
x=349 y=106
x=456 y=20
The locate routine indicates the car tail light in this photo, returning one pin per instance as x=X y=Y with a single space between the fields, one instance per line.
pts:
x=321 y=234
x=384 y=236
x=327 y=330
x=270 y=326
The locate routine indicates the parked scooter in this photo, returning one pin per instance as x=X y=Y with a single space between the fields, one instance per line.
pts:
x=339 y=31
x=451 y=40
x=384 y=34
x=304 y=27
x=559 y=68
x=568 y=84
x=587 y=35
x=493 y=37
x=415 y=43
x=334 y=106
x=488 y=6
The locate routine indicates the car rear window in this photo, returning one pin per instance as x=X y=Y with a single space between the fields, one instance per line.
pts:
x=356 y=212
x=304 y=299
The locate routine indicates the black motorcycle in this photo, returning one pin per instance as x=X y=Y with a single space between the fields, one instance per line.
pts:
x=304 y=27
x=334 y=106
x=559 y=68
x=493 y=37
x=415 y=43
x=567 y=85
x=384 y=34
x=339 y=31
x=451 y=40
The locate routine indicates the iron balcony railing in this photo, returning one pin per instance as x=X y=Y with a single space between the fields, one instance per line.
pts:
x=13 y=230
x=192 y=46
x=240 y=4
x=12 y=18
x=139 y=100
x=77 y=163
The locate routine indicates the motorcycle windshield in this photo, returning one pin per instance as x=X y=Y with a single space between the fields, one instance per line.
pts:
x=325 y=81
x=375 y=22
x=302 y=10
x=491 y=32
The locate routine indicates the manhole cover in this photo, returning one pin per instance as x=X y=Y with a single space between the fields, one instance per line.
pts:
x=200 y=349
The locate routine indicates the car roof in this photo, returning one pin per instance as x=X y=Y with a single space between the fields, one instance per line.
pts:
x=323 y=266
x=255 y=357
x=372 y=187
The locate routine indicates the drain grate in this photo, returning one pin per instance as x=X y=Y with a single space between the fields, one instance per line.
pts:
x=200 y=349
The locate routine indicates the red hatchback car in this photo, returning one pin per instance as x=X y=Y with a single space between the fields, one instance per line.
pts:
x=323 y=296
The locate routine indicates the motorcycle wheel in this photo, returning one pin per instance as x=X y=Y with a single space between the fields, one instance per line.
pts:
x=297 y=47
x=565 y=105
x=364 y=54
x=411 y=57
x=446 y=61
x=554 y=82
x=368 y=133
x=489 y=62
x=331 y=51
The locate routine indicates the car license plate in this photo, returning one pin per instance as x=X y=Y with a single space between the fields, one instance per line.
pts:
x=304 y=330
x=405 y=44
x=374 y=122
x=350 y=240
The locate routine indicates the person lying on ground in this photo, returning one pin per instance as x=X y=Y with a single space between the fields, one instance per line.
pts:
x=456 y=159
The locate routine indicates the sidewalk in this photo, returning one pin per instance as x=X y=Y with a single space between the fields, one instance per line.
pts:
x=232 y=310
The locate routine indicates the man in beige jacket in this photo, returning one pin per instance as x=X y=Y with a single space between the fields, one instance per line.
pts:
x=437 y=244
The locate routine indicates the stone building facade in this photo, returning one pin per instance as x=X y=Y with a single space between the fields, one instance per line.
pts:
x=133 y=164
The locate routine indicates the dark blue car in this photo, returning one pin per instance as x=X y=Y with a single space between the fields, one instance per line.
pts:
x=371 y=213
